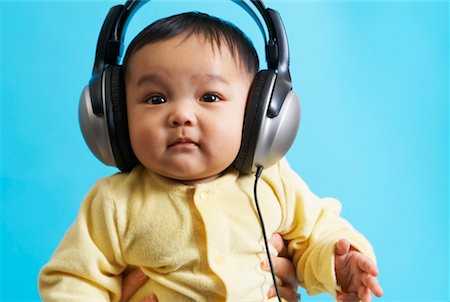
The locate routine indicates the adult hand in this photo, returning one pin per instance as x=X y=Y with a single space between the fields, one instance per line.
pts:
x=356 y=274
x=284 y=269
x=132 y=282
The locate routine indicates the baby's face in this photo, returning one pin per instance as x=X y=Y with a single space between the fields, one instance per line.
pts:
x=186 y=101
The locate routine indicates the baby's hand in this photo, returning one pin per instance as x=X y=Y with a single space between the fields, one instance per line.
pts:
x=355 y=273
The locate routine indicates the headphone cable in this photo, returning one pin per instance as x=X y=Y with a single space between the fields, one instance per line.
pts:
x=259 y=171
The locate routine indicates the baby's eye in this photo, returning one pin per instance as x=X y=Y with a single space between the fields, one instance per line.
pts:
x=156 y=100
x=210 y=98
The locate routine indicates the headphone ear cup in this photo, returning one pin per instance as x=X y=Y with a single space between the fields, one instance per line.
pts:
x=277 y=133
x=116 y=113
x=259 y=97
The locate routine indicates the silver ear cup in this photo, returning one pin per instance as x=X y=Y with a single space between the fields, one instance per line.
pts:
x=95 y=129
x=277 y=134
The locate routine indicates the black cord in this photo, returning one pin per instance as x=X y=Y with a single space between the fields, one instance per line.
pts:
x=255 y=192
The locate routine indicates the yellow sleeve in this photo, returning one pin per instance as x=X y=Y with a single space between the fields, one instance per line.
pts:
x=87 y=265
x=312 y=226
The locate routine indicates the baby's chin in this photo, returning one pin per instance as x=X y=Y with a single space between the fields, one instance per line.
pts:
x=190 y=174
x=198 y=180
x=193 y=179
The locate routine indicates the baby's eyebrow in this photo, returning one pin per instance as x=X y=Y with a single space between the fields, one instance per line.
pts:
x=214 y=78
x=211 y=78
x=156 y=77
x=149 y=78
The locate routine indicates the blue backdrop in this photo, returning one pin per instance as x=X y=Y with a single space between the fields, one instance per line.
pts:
x=373 y=80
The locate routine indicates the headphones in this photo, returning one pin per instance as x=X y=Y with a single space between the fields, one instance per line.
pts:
x=272 y=115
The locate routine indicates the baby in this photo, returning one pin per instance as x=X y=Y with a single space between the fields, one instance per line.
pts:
x=184 y=215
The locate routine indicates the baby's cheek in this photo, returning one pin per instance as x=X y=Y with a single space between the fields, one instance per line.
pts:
x=143 y=142
x=231 y=141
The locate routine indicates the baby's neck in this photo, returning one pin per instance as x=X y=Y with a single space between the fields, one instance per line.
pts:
x=191 y=182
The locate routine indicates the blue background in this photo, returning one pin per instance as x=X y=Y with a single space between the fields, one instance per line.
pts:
x=373 y=80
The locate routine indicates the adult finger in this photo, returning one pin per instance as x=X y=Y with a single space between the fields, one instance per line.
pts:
x=278 y=243
x=284 y=269
x=151 y=298
x=131 y=283
x=287 y=293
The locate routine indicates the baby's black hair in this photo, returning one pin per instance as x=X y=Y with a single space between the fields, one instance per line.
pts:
x=212 y=28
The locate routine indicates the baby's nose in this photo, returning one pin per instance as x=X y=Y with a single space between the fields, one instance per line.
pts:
x=182 y=117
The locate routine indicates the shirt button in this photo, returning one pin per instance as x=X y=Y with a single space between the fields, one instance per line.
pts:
x=204 y=195
x=219 y=259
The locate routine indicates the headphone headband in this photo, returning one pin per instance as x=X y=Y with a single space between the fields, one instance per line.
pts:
x=112 y=36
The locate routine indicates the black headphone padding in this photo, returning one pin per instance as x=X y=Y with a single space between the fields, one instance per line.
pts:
x=117 y=118
x=254 y=114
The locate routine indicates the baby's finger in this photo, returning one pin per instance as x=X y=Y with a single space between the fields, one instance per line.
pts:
x=372 y=284
x=368 y=266
x=364 y=294
x=342 y=247
x=353 y=297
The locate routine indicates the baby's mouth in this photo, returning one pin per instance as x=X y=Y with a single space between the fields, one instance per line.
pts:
x=183 y=141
